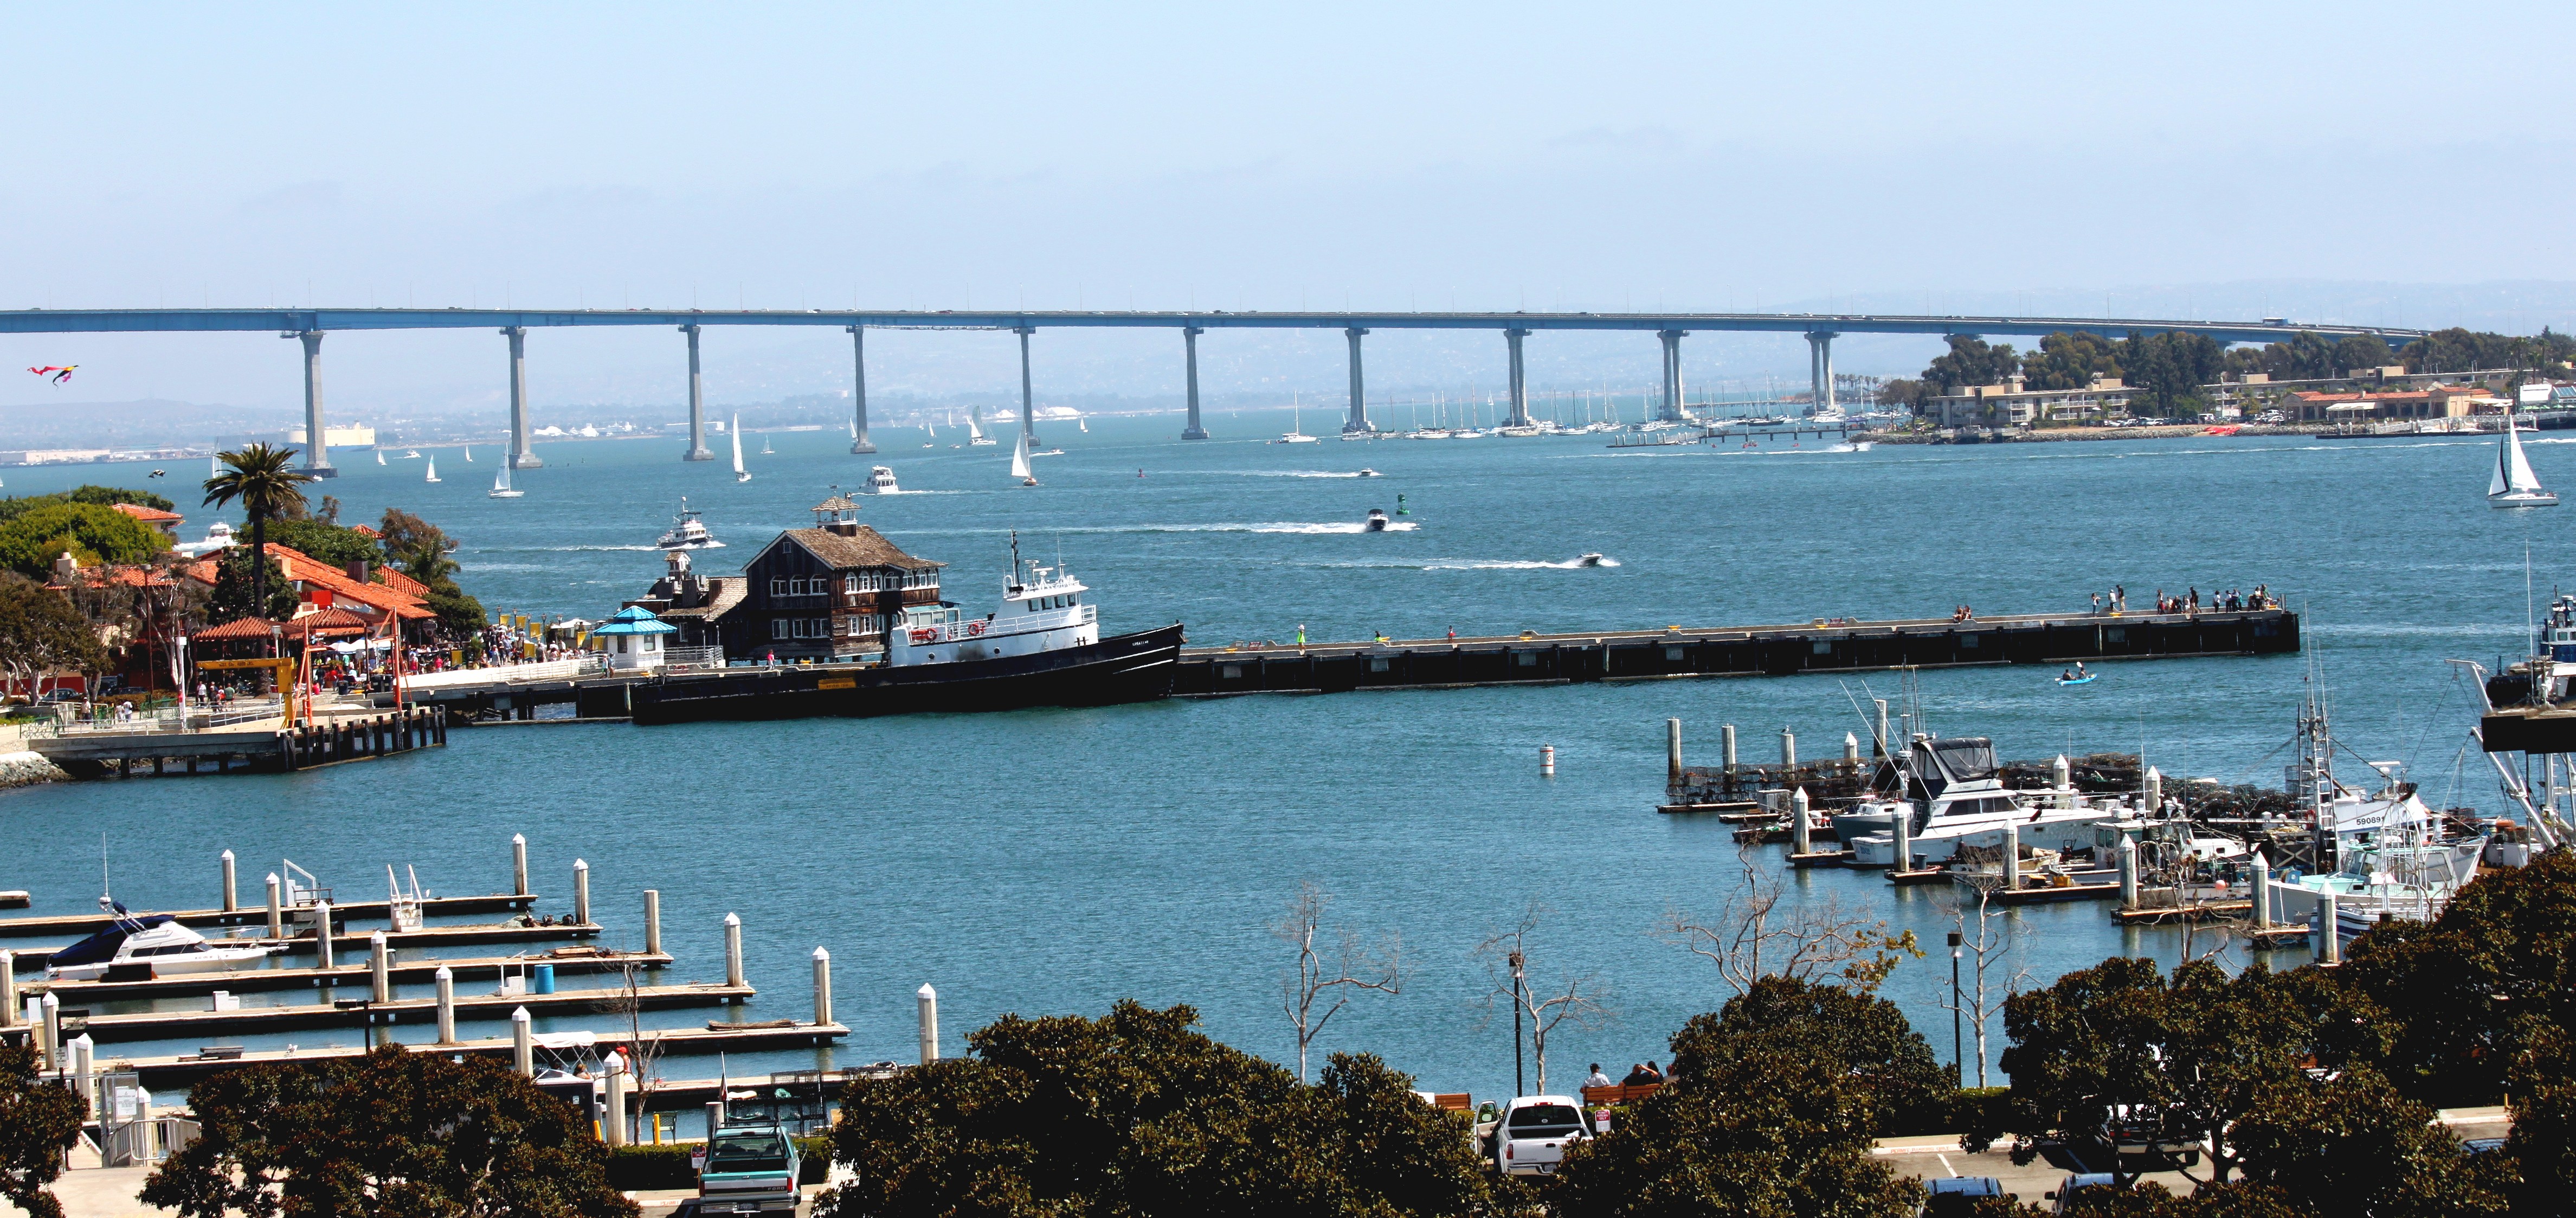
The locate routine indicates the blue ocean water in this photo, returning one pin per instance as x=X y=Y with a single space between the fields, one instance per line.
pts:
x=1055 y=861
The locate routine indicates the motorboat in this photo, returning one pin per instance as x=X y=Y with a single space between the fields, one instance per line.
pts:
x=1954 y=796
x=501 y=488
x=1377 y=520
x=880 y=482
x=2513 y=485
x=219 y=537
x=1368 y=473
x=154 y=942
x=1590 y=558
x=687 y=532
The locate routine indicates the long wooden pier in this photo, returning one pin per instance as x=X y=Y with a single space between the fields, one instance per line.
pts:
x=1824 y=645
x=182 y=1069
x=176 y=1025
x=98 y=751
x=404 y=972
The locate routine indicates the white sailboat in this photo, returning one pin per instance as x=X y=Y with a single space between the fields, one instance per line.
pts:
x=433 y=469
x=1080 y=423
x=2513 y=485
x=975 y=436
x=1020 y=462
x=215 y=465
x=380 y=456
x=735 y=431
x=501 y=484
x=764 y=445
x=1296 y=433
x=469 y=454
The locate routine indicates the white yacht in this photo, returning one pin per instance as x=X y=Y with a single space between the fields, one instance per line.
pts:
x=1954 y=796
x=880 y=482
x=151 y=941
x=687 y=533
x=2513 y=485
x=219 y=537
x=1296 y=433
x=1042 y=610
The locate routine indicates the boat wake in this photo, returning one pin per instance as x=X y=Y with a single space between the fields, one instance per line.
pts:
x=1277 y=526
x=1462 y=564
x=565 y=549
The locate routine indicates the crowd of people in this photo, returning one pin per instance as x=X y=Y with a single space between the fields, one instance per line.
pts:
x=2116 y=601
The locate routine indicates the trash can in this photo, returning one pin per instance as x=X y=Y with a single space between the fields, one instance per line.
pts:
x=542 y=979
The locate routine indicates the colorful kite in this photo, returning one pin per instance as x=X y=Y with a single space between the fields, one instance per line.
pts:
x=60 y=374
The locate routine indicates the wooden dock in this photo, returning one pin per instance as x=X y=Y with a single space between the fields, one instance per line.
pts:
x=159 y=1072
x=183 y=1025
x=2203 y=912
x=2050 y=894
x=264 y=745
x=404 y=972
x=342 y=945
x=91 y=923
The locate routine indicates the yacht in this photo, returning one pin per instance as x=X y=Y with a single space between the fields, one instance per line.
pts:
x=1296 y=433
x=501 y=484
x=975 y=437
x=219 y=537
x=687 y=533
x=1368 y=473
x=880 y=482
x=2513 y=485
x=1377 y=520
x=154 y=942
x=1953 y=796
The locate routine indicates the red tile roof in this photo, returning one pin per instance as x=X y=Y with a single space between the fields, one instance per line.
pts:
x=238 y=628
x=364 y=530
x=149 y=515
x=402 y=583
x=303 y=568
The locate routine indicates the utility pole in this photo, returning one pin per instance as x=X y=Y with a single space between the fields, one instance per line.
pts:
x=1519 y=1088
x=1957 y=1044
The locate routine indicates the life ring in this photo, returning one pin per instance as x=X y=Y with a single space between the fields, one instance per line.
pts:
x=923 y=635
x=975 y=628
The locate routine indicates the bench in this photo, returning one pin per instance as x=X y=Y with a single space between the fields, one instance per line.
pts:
x=1457 y=1101
x=1603 y=1097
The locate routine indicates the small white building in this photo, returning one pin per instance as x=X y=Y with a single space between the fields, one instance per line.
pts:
x=633 y=639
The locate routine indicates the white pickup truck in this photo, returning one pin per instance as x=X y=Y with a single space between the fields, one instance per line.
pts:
x=1534 y=1132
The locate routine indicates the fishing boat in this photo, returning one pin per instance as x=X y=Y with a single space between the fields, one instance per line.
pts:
x=1952 y=794
x=735 y=431
x=148 y=945
x=2513 y=485
x=433 y=469
x=1020 y=462
x=1042 y=647
x=501 y=484
x=880 y=482
x=688 y=533
x=1377 y=521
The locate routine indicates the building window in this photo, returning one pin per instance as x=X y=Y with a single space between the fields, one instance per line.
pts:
x=778 y=587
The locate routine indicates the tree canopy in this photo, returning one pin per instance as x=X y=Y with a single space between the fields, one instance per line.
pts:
x=327 y=542
x=2070 y=360
x=102 y=496
x=90 y=533
x=40 y=631
x=235 y=589
x=269 y=488
x=421 y=549
x=392 y=1134
x=37 y=1120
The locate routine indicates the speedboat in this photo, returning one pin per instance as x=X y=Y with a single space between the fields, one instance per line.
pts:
x=1377 y=520
x=1368 y=473
x=156 y=942
x=880 y=482
x=686 y=533
x=1589 y=559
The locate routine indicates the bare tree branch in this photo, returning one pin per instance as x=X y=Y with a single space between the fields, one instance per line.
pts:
x=1349 y=966
x=1994 y=947
x=1578 y=1000
x=1765 y=933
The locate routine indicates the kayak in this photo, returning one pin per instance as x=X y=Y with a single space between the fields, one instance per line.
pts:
x=2086 y=679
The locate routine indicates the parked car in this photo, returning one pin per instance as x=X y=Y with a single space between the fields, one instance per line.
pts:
x=2078 y=1183
x=1958 y=1195
x=1533 y=1133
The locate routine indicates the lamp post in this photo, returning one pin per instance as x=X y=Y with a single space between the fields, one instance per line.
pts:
x=1958 y=1056
x=1518 y=1087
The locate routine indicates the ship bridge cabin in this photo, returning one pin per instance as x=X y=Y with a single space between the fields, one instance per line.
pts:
x=827 y=592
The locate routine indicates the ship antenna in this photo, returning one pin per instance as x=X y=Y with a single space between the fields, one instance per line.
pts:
x=1015 y=557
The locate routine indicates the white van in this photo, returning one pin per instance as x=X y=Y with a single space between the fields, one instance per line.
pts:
x=1534 y=1133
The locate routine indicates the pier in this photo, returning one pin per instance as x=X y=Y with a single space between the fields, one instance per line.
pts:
x=182 y=1069
x=403 y=972
x=1824 y=645
x=95 y=751
x=350 y=1013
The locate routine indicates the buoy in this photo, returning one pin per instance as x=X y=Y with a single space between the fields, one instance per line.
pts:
x=1547 y=761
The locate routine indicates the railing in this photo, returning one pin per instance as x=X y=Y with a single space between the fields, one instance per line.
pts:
x=197 y=719
x=549 y=670
x=693 y=657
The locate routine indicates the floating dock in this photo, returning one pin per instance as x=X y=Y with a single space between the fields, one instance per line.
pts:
x=180 y=1070
x=91 y=923
x=180 y=1025
x=348 y=943
x=1824 y=645
x=415 y=971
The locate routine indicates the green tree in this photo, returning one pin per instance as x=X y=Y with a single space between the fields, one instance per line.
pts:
x=90 y=533
x=37 y=1120
x=40 y=632
x=1970 y=361
x=2352 y=1144
x=1139 y=1113
x=238 y=582
x=421 y=549
x=110 y=496
x=2070 y=360
x=392 y=1134
x=2543 y=1143
x=326 y=542
x=2362 y=351
x=2171 y=367
x=269 y=489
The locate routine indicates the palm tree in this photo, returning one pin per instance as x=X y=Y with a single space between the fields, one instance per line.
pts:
x=260 y=476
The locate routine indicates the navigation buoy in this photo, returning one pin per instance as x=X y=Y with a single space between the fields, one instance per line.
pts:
x=1547 y=761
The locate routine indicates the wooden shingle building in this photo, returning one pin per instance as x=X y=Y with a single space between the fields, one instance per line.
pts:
x=827 y=592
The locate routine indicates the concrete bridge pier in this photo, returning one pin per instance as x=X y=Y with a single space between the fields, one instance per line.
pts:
x=1520 y=381
x=1820 y=369
x=317 y=452
x=1358 y=422
x=520 y=456
x=860 y=444
x=697 y=404
x=1673 y=412
x=1028 y=403
x=1190 y=357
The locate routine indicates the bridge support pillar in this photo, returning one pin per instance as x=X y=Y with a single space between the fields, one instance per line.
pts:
x=317 y=451
x=1520 y=381
x=1820 y=371
x=520 y=456
x=1673 y=410
x=1190 y=356
x=859 y=442
x=1357 y=422
x=697 y=404
x=1028 y=402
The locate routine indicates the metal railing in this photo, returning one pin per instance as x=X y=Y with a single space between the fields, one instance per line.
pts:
x=196 y=719
x=693 y=657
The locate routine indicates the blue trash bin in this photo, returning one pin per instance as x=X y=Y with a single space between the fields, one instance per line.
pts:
x=542 y=979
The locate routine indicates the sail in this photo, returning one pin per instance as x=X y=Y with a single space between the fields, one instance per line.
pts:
x=469 y=454
x=501 y=479
x=972 y=430
x=2515 y=471
x=735 y=431
x=1020 y=457
x=433 y=469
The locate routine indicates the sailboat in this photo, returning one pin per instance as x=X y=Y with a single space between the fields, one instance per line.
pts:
x=1020 y=462
x=739 y=474
x=380 y=456
x=975 y=436
x=1078 y=422
x=1296 y=433
x=433 y=469
x=2513 y=484
x=469 y=454
x=501 y=484
x=215 y=466
x=764 y=445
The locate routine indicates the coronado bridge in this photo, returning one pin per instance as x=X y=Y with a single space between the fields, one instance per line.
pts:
x=1820 y=329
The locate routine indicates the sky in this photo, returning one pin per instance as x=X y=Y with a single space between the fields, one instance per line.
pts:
x=2354 y=162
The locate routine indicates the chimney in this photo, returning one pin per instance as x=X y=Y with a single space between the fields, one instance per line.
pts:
x=846 y=528
x=358 y=570
x=64 y=567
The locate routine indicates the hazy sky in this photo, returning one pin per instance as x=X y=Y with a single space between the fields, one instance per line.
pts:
x=1482 y=156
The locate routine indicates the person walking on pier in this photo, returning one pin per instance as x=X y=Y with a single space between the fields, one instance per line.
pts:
x=2097 y=604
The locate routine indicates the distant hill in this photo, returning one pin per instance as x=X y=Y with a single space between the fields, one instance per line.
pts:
x=148 y=423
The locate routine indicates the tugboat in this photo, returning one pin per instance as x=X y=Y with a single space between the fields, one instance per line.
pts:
x=686 y=533
x=880 y=482
x=1377 y=520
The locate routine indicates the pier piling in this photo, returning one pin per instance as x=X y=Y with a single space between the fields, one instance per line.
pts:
x=84 y=1058
x=519 y=864
x=580 y=892
x=50 y=1009
x=612 y=1126
x=1788 y=749
x=2262 y=892
x=322 y=929
x=1878 y=743
x=8 y=988
x=822 y=987
x=2012 y=858
x=1798 y=832
x=1726 y=742
x=1904 y=829
x=380 y=968
x=446 y=1005
x=733 y=949
x=276 y=911
x=2128 y=872
x=1851 y=749
x=1672 y=752
x=2329 y=944
x=231 y=903
x=523 y=1044
x=652 y=921
x=929 y=999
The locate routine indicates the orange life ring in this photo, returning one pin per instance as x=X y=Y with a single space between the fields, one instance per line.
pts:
x=975 y=628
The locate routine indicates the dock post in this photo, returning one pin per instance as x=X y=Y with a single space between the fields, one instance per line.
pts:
x=1672 y=752
x=1788 y=749
x=276 y=913
x=523 y=1044
x=322 y=932
x=84 y=1068
x=733 y=949
x=231 y=902
x=1878 y=745
x=580 y=892
x=612 y=1125
x=2128 y=872
x=2329 y=944
x=1851 y=750
x=822 y=988
x=929 y=1021
x=8 y=988
x=1904 y=828
x=652 y=921
x=2012 y=858
x=2262 y=892
x=51 y=1030
x=1798 y=820
x=446 y=1005
x=2155 y=792
x=380 y=968
x=1547 y=761
x=519 y=864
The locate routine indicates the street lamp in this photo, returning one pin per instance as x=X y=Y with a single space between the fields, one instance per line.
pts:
x=1958 y=1056
x=1518 y=1088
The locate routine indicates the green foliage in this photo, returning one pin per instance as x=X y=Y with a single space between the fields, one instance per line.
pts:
x=236 y=585
x=2070 y=360
x=393 y=1133
x=2356 y=1143
x=37 y=1120
x=2459 y=350
x=40 y=631
x=327 y=542
x=667 y=1166
x=2543 y=1143
x=1775 y=1103
x=1970 y=361
x=100 y=496
x=2170 y=368
x=421 y=549
x=1139 y=1113
x=91 y=533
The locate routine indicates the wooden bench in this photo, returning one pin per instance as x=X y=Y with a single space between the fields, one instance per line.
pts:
x=1456 y=1101
x=1619 y=1093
